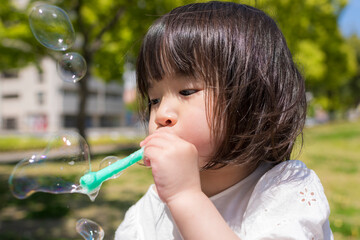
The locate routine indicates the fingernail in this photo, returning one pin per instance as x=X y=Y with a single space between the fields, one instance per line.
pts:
x=147 y=162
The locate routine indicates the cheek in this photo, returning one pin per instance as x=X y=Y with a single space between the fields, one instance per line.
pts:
x=151 y=125
x=197 y=131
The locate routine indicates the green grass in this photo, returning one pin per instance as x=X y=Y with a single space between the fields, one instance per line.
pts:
x=331 y=150
x=50 y=216
x=17 y=143
x=118 y=140
x=12 y=143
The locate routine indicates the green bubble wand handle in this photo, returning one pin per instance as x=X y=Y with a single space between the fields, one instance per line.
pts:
x=93 y=180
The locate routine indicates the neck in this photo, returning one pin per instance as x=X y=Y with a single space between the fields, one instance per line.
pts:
x=216 y=181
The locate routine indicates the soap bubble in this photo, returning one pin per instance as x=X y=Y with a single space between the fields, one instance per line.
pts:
x=89 y=230
x=52 y=27
x=107 y=161
x=71 y=67
x=56 y=170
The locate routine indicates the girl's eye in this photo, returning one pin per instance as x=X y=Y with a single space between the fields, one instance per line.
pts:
x=153 y=101
x=188 y=92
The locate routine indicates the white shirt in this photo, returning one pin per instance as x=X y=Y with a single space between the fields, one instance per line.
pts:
x=283 y=202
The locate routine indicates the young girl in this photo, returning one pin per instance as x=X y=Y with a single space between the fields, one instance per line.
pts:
x=225 y=106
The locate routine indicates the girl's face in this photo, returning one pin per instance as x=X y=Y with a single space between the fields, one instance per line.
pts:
x=178 y=105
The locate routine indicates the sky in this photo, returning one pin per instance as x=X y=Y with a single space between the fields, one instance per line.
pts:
x=349 y=19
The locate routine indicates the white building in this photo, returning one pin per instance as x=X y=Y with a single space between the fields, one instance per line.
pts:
x=32 y=102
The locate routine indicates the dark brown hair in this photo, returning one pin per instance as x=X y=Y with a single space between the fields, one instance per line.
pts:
x=257 y=93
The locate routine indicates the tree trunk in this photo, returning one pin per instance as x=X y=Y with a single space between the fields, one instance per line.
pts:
x=81 y=118
x=88 y=49
x=331 y=110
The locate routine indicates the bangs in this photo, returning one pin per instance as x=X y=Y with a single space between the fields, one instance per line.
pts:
x=174 y=45
x=165 y=51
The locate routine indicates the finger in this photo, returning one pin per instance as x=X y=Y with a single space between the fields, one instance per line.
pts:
x=147 y=161
x=166 y=135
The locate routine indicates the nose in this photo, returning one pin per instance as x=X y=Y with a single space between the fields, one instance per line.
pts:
x=166 y=115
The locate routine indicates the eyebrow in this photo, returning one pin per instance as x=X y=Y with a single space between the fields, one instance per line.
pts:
x=184 y=78
x=150 y=87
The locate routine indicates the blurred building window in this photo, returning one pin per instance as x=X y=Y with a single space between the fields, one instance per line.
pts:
x=112 y=96
x=69 y=121
x=109 y=121
x=40 y=98
x=41 y=77
x=10 y=74
x=69 y=93
x=10 y=96
x=10 y=123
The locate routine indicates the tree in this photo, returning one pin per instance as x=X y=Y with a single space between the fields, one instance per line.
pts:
x=351 y=92
x=17 y=45
x=325 y=58
x=109 y=34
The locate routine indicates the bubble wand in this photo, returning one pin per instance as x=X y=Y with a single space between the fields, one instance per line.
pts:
x=91 y=181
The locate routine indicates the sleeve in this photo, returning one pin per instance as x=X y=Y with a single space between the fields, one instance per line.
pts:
x=288 y=202
x=127 y=229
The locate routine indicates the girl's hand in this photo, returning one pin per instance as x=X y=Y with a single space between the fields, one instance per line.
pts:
x=174 y=164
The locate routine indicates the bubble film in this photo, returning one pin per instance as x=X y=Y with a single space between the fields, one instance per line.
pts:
x=52 y=27
x=89 y=230
x=56 y=170
x=71 y=67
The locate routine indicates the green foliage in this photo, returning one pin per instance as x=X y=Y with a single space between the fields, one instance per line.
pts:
x=17 y=45
x=111 y=31
x=109 y=34
x=311 y=30
x=312 y=58
x=351 y=96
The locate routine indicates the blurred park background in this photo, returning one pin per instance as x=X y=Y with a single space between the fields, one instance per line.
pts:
x=323 y=36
